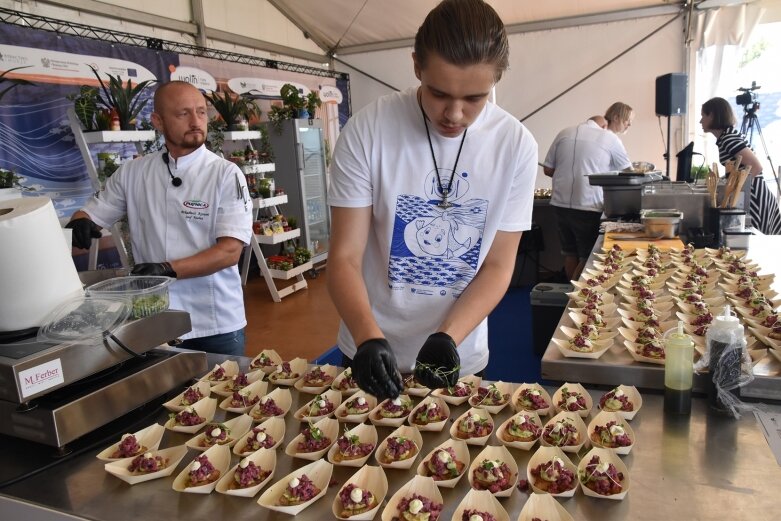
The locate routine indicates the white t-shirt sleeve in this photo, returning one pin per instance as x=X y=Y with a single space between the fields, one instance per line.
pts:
x=619 y=159
x=351 y=176
x=550 y=158
x=518 y=212
x=110 y=204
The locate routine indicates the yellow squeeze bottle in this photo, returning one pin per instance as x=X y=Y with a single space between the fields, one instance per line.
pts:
x=678 y=371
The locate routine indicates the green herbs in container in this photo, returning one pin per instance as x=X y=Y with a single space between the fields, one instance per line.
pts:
x=147 y=295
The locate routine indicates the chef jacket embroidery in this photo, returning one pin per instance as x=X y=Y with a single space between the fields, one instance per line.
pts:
x=195 y=210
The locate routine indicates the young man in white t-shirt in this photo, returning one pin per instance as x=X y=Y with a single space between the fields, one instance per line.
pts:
x=430 y=191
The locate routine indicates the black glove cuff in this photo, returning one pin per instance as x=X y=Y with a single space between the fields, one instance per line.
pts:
x=443 y=337
x=382 y=341
x=169 y=270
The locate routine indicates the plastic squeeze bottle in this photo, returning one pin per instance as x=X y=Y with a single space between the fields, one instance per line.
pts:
x=725 y=343
x=678 y=371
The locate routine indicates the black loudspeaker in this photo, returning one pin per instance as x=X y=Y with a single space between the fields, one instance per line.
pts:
x=671 y=94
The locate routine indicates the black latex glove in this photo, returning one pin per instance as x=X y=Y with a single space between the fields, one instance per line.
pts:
x=375 y=370
x=156 y=269
x=438 y=363
x=84 y=230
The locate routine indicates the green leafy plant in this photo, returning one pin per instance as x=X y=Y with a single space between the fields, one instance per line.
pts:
x=85 y=104
x=8 y=179
x=14 y=82
x=291 y=97
x=216 y=133
x=699 y=172
x=301 y=255
x=233 y=108
x=109 y=166
x=154 y=145
x=292 y=222
x=265 y=150
x=313 y=102
x=124 y=99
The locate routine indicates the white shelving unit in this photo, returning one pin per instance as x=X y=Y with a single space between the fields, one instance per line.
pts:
x=83 y=140
x=269 y=274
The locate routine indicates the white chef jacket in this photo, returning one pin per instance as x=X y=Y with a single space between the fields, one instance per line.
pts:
x=575 y=153
x=169 y=223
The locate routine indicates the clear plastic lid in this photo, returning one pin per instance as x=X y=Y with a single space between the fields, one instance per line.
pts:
x=84 y=318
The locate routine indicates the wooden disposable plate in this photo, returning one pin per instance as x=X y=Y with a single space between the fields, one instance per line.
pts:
x=605 y=309
x=420 y=485
x=575 y=420
x=274 y=427
x=579 y=318
x=329 y=428
x=496 y=453
x=368 y=478
x=297 y=366
x=231 y=368
x=516 y=405
x=609 y=456
x=532 y=417
x=148 y=437
x=266 y=459
x=342 y=414
x=366 y=434
x=223 y=388
x=462 y=455
x=629 y=297
x=431 y=426
x=602 y=419
x=253 y=390
x=545 y=455
x=238 y=428
x=119 y=468
x=305 y=412
x=480 y=501
x=318 y=471
x=604 y=334
x=404 y=431
x=410 y=387
x=175 y=403
x=482 y=414
x=632 y=316
x=205 y=409
x=633 y=349
x=763 y=335
x=659 y=307
x=337 y=381
x=664 y=326
x=220 y=458
x=272 y=355
x=607 y=298
x=472 y=381
x=505 y=388
x=600 y=347
x=282 y=397
x=543 y=506
x=573 y=387
x=633 y=396
x=328 y=369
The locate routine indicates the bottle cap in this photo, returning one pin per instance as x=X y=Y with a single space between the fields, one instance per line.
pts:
x=728 y=317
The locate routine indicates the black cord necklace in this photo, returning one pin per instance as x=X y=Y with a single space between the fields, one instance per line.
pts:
x=445 y=191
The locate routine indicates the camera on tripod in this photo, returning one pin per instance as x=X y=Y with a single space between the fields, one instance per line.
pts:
x=748 y=98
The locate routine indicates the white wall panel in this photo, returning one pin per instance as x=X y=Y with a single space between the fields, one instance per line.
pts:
x=177 y=9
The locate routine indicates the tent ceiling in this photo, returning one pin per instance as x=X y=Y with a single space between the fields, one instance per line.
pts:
x=353 y=25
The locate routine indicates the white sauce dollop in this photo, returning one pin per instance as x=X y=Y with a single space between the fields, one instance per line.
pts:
x=294 y=483
x=215 y=432
x=415 y=506
x=356 y=495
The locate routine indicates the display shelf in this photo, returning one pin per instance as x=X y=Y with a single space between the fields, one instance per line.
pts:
x=268 y=202
x=289 y=274
x=119 y=136
x=278 y=237
x=241 y=135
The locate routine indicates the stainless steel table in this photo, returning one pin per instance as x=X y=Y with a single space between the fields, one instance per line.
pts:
x=697 y=467
x=617 y=366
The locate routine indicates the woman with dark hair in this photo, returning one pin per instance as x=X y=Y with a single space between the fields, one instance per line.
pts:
x=719 y=119
x=430 y=191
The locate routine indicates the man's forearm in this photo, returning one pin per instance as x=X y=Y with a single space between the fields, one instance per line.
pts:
x=350 y=297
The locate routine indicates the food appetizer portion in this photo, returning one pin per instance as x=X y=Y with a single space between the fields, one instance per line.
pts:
x=566 y=430
x=129 y=445
x=275 y=404
x=190 y=396
x=521 y=428
x=573 y=398
x=314 y=440
x=247 y=475
x=216 y=434
x=400 y=448
x=460 y=392
x=624 y=400
x=355 y=500
x=221 y=372
x=287 y=373
x=415 y=388
x=317 y=379
x=361 y=495
x=446 y=463
x=554 y=476
x=473 y=424
x=354 y=447
x=419 y=508
x=492 y=395
x=149 y=465
x=201 y=472
x=345 y=383
x=602 y=474
x=430 y=414
x=492 y=475
x=258 y=439
x=299 y=490
x=392 y=411
x=265 y=361
x=532 y=398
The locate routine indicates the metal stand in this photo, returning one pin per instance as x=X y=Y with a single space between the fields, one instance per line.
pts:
x=747 y=126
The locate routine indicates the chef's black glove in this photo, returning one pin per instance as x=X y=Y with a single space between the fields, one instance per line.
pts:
x=84 y=230
x=438 y=363
x=156 y=269
x=375 y=371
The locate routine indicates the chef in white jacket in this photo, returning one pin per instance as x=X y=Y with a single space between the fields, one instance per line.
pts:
x=189 y=216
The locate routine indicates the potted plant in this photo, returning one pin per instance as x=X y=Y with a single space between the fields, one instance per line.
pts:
x=293 y=101
x=9 y=180
x=265 y=150
x=85 y=104
x=301 y=256
x=234 y=111
x=125 y=100
x=313 y=102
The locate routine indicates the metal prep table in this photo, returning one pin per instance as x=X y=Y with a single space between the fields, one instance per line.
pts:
x=617 y=366
x=697 y=467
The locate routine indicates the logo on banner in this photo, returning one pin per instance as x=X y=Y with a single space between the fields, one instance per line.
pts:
x=198 y=78
x=330 y=94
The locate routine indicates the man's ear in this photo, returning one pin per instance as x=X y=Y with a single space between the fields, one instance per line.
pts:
x=157 y=122
x=416 y=65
